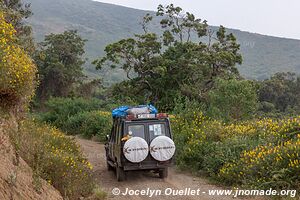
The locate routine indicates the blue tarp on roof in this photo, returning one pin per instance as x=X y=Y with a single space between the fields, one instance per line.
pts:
x=122 y=110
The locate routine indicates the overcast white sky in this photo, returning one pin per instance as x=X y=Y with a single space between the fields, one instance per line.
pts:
x=270 y=17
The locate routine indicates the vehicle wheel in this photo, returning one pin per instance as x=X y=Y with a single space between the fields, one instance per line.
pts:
x=163 y=173
x=109 y=167
x=120 y=173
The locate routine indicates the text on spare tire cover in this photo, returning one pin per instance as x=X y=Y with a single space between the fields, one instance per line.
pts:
x=154 y=149
x=128 y=149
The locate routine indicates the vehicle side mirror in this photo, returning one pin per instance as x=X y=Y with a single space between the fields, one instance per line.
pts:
x=107 y=137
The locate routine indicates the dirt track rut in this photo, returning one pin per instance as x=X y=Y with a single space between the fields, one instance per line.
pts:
x=138 y=180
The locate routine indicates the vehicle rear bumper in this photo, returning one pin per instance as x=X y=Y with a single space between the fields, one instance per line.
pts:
x=146 y=165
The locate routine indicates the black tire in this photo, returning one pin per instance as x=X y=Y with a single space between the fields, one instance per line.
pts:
x=163 y=173
x=120 y=174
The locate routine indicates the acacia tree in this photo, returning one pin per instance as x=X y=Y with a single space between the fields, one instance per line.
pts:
x=160 y=67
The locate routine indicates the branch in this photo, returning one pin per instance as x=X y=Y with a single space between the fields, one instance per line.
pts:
x=127 y=73
x=189 y=34
x=210 y=36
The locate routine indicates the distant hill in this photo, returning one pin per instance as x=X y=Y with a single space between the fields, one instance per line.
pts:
x=103 y=23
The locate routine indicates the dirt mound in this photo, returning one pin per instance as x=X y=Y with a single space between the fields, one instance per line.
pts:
x=16 y=177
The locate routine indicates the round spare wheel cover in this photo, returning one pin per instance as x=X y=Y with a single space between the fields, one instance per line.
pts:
x=162 y=148
x=135 y=149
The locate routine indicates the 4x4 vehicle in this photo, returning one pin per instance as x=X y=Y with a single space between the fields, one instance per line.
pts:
x=140 y=142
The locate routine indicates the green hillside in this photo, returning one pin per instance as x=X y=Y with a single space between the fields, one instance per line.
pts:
x=102 y=24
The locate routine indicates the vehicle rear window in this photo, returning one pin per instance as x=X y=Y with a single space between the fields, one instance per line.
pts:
x=137 y=130
x=156 y=130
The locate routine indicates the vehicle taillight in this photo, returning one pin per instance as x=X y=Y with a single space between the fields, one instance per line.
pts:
x=130 y=117
x=162 y=115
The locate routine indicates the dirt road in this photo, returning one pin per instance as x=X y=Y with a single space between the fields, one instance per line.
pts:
x=143 y=180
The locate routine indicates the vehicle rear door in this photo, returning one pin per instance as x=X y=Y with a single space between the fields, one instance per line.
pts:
x=158 y=128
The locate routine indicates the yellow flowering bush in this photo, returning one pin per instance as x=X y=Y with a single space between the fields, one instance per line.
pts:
x=264 y=128
x=17 y=70
x=192 y=135
x=56 y=158
x=258 y=153
x=266 y=166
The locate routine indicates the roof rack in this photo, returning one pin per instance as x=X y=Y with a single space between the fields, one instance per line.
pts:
x=124 y=111
x=143 y=116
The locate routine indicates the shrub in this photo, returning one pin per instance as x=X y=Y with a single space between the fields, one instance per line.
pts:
x=56 y=158
x=78 y=116
x=201 y=144
x=258 y=153
x=58 y=110
x=99 y=194
x=232 y=99
x=17 y=71
x=90 y=124
x=188 y=139
x=225 y=151
x=266 y=166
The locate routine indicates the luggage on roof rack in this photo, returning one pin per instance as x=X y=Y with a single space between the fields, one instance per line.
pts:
x=123 y=111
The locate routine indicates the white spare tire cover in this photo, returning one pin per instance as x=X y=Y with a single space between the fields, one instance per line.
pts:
x=162 y=148
x=135 y=149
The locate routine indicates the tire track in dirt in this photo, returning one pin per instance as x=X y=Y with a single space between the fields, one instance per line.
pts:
x=140 y=180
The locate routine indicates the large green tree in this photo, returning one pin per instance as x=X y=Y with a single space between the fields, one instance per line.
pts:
x=177 y=62
x=59 y=60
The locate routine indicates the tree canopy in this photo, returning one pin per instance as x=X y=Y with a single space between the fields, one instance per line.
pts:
x=177 y=62
x=59 y=60
x=280 y=93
